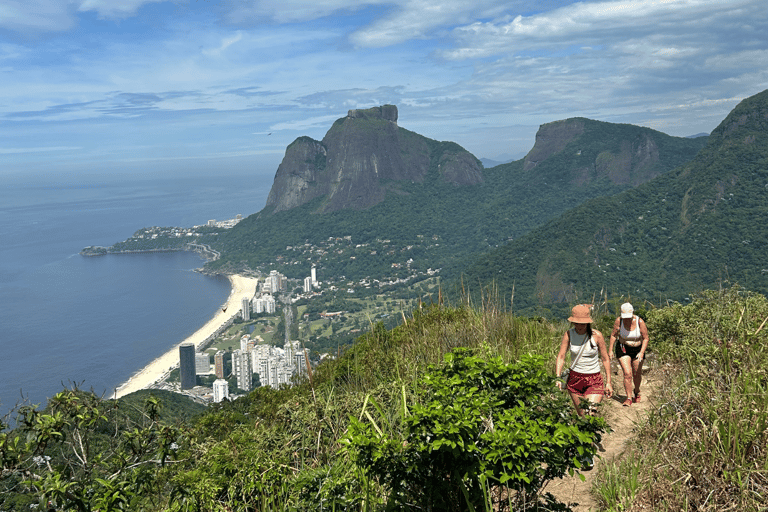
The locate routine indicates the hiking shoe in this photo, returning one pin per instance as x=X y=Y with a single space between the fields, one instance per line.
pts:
x=627 y=402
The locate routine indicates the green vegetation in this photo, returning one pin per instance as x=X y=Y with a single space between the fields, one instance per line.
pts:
x=705 y=445
x=455 y=409
x=691 y=229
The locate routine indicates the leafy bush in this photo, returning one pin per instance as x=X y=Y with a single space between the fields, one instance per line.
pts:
x=487 y=434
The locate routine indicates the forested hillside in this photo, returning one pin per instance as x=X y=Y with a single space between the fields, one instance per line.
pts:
x=576 y=160
x=700 y=226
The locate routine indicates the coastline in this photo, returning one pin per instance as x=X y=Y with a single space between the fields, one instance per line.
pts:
x=241 y=287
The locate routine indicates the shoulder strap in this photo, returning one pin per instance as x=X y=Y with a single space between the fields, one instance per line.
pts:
x=583 y=345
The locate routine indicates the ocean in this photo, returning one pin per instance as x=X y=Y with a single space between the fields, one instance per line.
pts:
x=93 y=322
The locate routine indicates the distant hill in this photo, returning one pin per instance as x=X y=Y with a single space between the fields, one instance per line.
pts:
x=372 y=180
x=699 y=226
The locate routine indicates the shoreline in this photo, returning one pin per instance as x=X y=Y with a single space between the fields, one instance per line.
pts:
x=241 y=287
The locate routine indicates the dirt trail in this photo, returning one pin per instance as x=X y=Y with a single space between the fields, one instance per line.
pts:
x=622 y=420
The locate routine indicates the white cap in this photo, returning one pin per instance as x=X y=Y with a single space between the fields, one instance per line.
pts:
x=627 y=311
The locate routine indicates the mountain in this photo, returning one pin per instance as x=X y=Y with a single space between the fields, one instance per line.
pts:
x=360 y=158
x=700 y=226
x=432 y=202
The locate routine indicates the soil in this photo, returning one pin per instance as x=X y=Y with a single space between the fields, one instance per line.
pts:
x=577 y=493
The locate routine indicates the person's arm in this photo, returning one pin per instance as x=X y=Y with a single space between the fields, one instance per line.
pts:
x=614 y=336
x=644 y=333
x=561 y=357
x=598 y=336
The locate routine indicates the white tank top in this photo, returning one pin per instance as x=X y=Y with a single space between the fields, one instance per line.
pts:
x=589 y=361
x=633 y=338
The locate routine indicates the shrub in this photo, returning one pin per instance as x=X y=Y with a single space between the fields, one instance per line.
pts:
x=486 y=434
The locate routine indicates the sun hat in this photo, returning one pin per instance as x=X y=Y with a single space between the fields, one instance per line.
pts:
x=627 y=311
x=580 y=314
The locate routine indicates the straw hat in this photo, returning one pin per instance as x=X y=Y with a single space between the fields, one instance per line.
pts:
x=627 y=311
x=580 y=314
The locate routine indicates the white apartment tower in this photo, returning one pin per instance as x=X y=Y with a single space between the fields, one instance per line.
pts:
x=313 y=275
x=220 y=390
x=300 y=362
x=246 y=308
x=241 y=367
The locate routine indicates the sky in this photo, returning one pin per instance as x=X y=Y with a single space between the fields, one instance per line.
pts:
x=162 y=87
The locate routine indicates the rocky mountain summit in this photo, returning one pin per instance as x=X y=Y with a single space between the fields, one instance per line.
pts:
x=362 y=157
x=624 y=155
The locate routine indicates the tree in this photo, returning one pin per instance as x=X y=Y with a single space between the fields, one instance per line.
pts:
x=84 y=453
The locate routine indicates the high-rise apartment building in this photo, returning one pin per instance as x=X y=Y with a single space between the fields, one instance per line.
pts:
x=187 y=371
x=202 y=363
x=218 y=364
x=246 y=308
x=241 y=367
x=300 y=362
x=220 y=390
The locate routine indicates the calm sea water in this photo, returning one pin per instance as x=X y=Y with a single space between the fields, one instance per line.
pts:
x=69 y=319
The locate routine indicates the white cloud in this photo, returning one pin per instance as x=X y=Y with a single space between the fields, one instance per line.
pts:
x=36 y=15
x=288 y=11
x=594 y=24
x=114 y=8
x=225 y=43
x=306 y=124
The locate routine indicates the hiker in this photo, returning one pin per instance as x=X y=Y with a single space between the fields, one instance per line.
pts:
x=586 y=346
x=629 y=340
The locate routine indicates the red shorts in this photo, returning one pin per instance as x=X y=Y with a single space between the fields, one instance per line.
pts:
x=585 y=383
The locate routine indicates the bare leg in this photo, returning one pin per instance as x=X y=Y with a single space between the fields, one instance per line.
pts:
x=626 y=369
x=637 y=370
x=594 y=399
x=576 y=400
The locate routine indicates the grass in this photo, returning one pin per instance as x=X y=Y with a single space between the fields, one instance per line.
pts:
x=705 y=447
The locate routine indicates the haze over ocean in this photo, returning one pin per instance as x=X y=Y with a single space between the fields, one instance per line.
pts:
x=65 y=318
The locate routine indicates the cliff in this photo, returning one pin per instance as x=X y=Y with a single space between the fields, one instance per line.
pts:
x=362 y=157
x=594 y=150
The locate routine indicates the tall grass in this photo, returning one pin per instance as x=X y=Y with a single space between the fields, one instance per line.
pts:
x=705 y=446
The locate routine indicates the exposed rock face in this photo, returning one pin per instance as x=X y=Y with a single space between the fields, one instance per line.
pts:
x=581 y=146
x=552 y=138
x=360 y=158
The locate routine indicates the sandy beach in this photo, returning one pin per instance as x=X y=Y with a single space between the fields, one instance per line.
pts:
x=241 y=287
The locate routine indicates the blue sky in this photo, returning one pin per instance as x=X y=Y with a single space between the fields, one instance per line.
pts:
x=152 y=87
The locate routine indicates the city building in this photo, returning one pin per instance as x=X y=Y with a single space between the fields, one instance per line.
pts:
x=313 y=275
x=202 y=363
x=307 y=284
x=220 y=390
x=187 y=371
x=218 y=364
x=300 y=362
x=241 y=367
x=270 y=306
x=246 y=308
